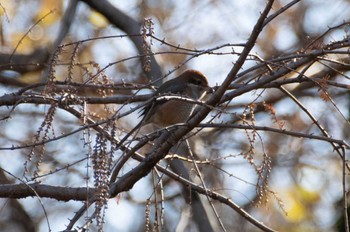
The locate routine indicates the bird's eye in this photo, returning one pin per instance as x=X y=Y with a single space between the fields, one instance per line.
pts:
x=196 y=81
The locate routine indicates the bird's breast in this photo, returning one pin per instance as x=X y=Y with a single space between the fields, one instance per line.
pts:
x=173 y=112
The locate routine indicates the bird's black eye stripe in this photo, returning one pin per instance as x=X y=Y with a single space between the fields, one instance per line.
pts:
x=196 y=81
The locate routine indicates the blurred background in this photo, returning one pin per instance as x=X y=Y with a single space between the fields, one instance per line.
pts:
x=302 y=178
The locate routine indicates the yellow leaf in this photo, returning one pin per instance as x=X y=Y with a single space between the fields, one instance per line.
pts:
x=30 y=77
x=296 y=211
x=26 y=44
x=98 y=19
x=297 y=203
x=48 y=6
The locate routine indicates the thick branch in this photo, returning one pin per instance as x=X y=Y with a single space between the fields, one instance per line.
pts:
x=12 y=99
x=170 y=138
x=127 y=24
x=18 y=191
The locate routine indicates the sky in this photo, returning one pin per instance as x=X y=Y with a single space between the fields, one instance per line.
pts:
x=204 y=25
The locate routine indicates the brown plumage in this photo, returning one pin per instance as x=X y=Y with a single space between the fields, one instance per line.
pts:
x=191 y=84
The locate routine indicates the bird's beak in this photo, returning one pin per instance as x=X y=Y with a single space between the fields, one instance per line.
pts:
x=209 y=90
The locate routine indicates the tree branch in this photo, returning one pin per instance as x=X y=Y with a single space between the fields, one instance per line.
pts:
x=130 y=26
x=18 y=191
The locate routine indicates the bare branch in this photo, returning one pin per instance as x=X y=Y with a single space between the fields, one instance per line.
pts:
x=127 y=24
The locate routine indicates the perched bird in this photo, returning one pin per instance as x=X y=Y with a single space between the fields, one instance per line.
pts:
x=161 y=113
x=190 y=84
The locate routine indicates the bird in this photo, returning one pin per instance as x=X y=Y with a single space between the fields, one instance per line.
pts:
x=190 y=84
x=162 y=113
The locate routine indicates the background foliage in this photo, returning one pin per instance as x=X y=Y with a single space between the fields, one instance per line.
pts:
x=74 y=74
